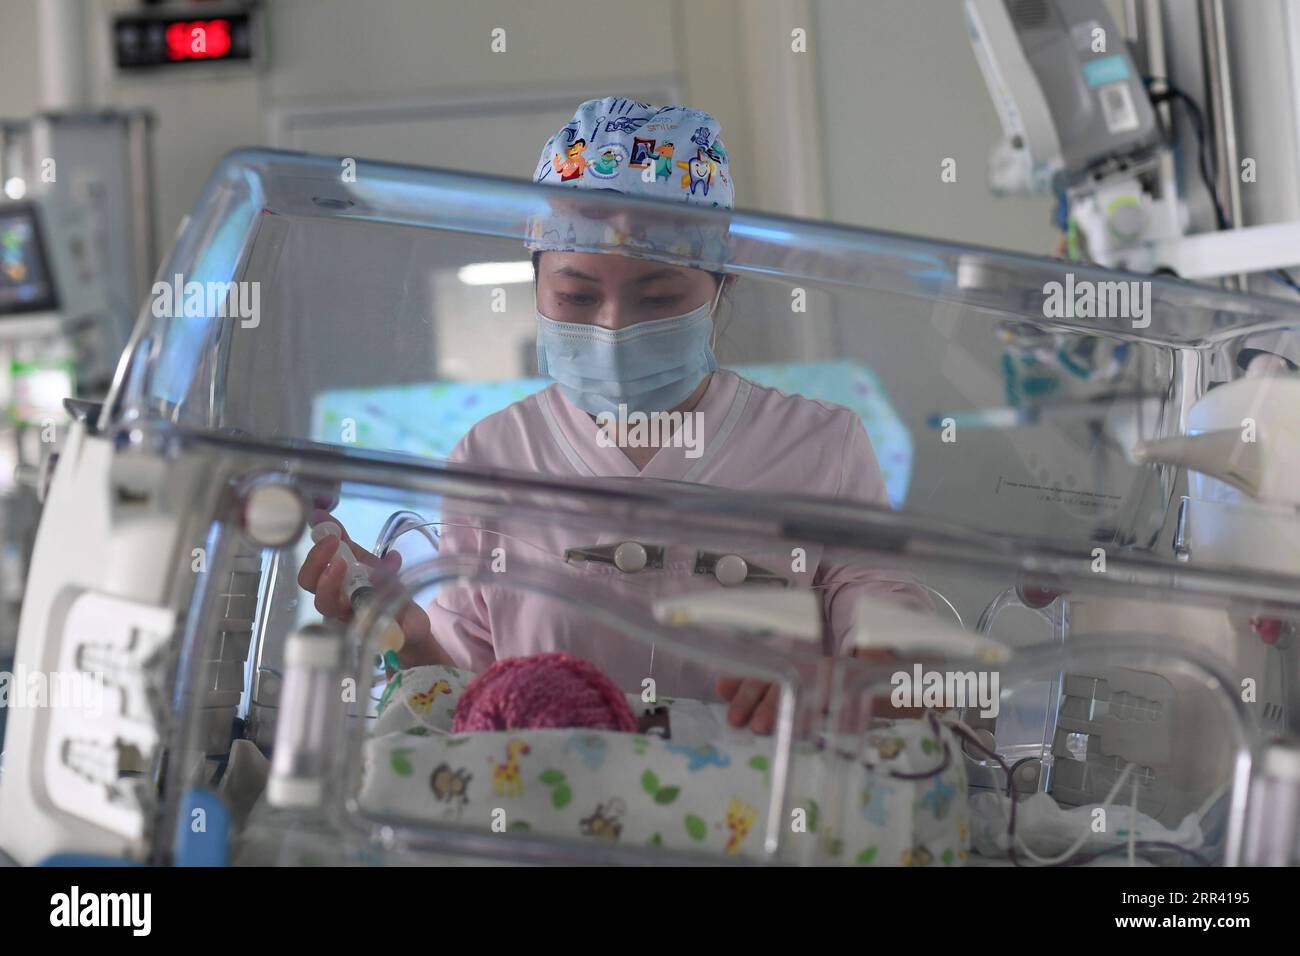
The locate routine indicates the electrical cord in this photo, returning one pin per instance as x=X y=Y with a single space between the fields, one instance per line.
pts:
x=1077 y=845
x=1284 y=277
x=1071 y=857
x=969 y=736
x=1173 y=93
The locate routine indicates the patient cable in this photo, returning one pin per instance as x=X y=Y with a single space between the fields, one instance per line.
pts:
x=1075 y=847
x=1015 y=840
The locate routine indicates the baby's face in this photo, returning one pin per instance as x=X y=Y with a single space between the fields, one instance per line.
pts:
x=614 y=291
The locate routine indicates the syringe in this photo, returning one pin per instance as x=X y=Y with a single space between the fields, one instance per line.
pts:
x=358 y=588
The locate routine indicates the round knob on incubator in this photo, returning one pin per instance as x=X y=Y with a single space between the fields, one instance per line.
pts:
x=274 y=514
x=985 y=739
x=630 y=557
x=1027 y=775
x=1271 y=631
x=1036 y=597
x=731 y=570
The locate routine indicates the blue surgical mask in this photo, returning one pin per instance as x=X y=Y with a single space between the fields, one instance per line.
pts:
x=649 y=367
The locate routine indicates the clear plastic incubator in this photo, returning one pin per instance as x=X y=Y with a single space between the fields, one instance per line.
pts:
x=1002 y=550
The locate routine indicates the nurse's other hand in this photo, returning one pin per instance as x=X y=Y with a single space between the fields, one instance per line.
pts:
x=753 y=702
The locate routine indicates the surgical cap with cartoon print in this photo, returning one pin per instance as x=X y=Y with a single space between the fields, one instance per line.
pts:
x=671 y=153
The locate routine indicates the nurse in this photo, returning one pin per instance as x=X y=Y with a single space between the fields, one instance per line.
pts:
x=625 y=335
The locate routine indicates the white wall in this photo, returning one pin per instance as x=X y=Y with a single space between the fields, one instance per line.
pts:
x=900 y=92
x=1267 y=106
x=340 y=54
x=19 y=74
x=897 y=85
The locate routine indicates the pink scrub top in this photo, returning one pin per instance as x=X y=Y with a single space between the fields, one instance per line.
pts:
x=754 y=438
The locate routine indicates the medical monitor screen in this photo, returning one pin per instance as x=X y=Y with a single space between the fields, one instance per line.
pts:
x=26 y=284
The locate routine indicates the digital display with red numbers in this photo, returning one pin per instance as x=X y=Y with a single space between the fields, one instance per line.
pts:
x=142 y=41
x=198 y=39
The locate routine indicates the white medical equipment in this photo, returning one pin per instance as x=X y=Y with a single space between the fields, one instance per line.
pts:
x=85 y=178
x=1077 y=120
x=76 y=247
x=178 y=514
x=1242 y=452
x=1080 y=121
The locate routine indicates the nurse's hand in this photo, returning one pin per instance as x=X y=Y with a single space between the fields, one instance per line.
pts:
x=753 y=702
x=323 y=574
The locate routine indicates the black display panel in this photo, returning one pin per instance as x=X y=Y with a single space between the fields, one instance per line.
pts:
x=142 y=42
x=26 y=283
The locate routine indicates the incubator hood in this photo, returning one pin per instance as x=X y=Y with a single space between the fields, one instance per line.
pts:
x=892 y=417
x=394 y=309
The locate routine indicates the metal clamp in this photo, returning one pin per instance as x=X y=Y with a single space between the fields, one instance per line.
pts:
x=1182 y=546
x=628 y=556
x=731 y=570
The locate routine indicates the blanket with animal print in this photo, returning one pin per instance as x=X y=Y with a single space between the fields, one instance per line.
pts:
x=686 y=782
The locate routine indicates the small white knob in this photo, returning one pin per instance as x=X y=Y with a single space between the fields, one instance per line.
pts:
x=731 y=570
x=985 y=739
x=273 y=515
x=630 y=557
x=1027 y=775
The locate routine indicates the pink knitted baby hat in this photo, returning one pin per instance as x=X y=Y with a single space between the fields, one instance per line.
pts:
x=547 y=690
